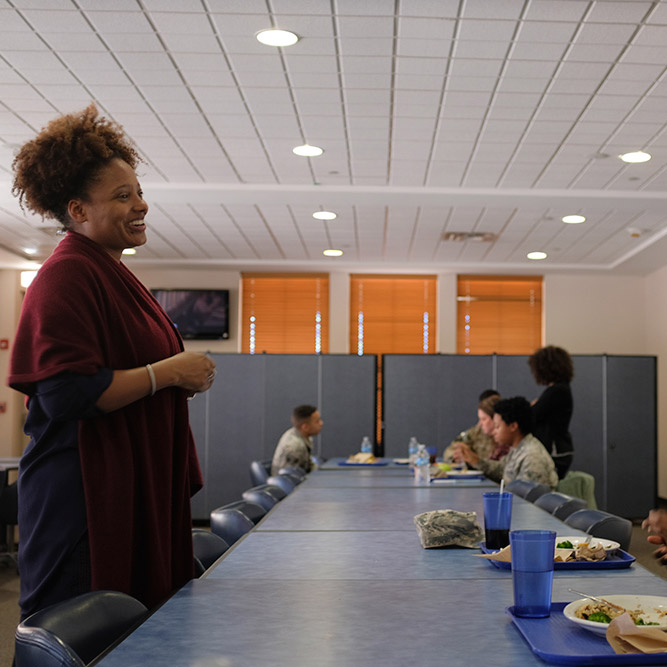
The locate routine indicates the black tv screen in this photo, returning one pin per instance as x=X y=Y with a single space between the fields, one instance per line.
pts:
x=197 y=313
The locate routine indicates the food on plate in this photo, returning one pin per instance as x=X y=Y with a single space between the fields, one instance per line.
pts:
x=362 y=457
x=565 y=544
x=604 y=613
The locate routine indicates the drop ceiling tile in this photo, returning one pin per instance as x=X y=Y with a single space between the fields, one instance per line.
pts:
x=425 y=28
x=121 y=22
x=619 y=12
x=536 y=52
x=56 y=21
x=373 y=46
x=544 y=32
x=482 y=30
x=434 y=48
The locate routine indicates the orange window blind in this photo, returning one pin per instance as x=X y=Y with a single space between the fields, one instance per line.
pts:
x=392 y=314
x=501 y=314
x=285 y=313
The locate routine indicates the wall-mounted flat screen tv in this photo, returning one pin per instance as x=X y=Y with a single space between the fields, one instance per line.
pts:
x=201 y=314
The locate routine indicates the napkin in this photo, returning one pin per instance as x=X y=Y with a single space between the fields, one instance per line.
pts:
x=626 y=637
x=505 y=555
x=446 y=528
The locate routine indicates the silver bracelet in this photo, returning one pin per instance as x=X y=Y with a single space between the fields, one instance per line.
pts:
x=151 y=375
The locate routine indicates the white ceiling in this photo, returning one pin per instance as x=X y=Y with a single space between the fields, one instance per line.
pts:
x=436 y=116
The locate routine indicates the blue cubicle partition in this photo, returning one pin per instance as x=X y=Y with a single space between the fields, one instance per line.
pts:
x=434 y=397
x=248 y=408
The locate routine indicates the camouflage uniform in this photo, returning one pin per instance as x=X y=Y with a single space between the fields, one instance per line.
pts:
x=448 y=528
x=293 y=450
x=530 y=461
x=476 y=439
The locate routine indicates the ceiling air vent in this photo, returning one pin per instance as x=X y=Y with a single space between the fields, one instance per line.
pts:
x=459 y=237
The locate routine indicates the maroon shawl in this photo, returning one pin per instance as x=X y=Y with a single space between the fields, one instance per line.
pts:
x=83 y=312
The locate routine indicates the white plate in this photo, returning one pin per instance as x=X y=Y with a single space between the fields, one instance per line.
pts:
x=650 y=606
x=608 y=545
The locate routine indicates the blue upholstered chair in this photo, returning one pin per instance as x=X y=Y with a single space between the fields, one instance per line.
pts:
x=207 y=547
x=230 y=524
x=285 y=482
x=260 y=471
x=74 y=632
x=602 y=524
x=265 y=495
x=528 y=490
x=560 y=504
x=253 y=511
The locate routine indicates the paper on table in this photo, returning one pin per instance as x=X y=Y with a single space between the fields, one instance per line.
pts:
x=505 y=555
x=626 y=637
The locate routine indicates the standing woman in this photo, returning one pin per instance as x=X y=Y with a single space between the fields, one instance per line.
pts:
x=105 y=482
x=552 y=366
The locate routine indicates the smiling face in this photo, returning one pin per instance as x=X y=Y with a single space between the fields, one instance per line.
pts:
x=112 y=214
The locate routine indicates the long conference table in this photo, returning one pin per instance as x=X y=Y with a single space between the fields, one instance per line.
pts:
x=335 y=575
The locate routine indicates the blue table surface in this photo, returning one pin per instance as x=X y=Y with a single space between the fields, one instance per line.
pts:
x=309 y=508
x=326 y=623
x=368 y=477
x=365 y=555
x=336 y=575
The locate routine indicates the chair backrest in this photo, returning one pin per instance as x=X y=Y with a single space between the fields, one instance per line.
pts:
x=75 y=631
x=284 y=482
x=602 y=524
x=207 y=546
x=560 y=504
x=537 y=491
x=253 y=511
x=579 y=484
x=292 y=474
x=295 y=471
x=520 y=487
x=9 y=505
x=258 y=472
x=265 y=495
x=230 y=524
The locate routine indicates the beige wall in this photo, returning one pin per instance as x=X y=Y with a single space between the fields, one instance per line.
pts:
x=586 y=314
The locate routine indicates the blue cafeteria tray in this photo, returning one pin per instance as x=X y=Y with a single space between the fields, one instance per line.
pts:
x=560 y=642
x=617 y=561
x=356 y=465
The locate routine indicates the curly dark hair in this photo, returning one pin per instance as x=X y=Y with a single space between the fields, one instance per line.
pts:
x=64 y=160
x=517 y=410
x=551 y=364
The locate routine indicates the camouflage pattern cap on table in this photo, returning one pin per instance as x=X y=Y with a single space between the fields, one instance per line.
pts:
x=445 y=528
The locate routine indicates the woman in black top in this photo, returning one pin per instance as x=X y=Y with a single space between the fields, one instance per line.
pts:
x=552 y=411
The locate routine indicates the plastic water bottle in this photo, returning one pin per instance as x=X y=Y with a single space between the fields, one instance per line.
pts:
x=422 y=466
x=412 y=450
x=366 y=446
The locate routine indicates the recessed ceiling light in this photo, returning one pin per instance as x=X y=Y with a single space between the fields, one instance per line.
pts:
x=332 y=253
x=130 y=251
x=537 y=255
x=307 y=150
x=324 y=215
x=573 y=219
x=275 y=37
x=636 y=157
x=30 y=250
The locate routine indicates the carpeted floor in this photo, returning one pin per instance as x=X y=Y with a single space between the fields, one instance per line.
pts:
x=9 y=592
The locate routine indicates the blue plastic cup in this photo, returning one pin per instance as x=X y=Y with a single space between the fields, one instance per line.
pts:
x=532 y=571
x=497 y=519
